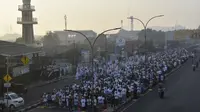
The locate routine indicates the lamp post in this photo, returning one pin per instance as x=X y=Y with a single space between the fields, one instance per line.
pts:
x=145 y=35
x=92 y=44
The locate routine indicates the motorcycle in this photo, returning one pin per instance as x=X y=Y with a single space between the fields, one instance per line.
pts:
x=161 y=92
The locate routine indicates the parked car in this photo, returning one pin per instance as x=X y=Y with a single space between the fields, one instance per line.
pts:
x=12 y=100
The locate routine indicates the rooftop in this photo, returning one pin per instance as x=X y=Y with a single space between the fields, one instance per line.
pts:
x=14 y=49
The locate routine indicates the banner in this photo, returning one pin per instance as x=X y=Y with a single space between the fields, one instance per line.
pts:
x=120 y=42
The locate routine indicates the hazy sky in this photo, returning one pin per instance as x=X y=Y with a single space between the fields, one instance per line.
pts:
x=100 y=15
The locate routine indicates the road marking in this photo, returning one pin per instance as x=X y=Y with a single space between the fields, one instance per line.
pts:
x=128 y=106
x=146 y=92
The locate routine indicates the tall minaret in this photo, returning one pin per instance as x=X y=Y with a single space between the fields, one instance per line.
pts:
x=27 y=21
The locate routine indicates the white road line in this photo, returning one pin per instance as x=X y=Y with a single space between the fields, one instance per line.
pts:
x=128 y=106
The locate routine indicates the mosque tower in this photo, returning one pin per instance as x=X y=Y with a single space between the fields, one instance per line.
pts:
x=27 y=21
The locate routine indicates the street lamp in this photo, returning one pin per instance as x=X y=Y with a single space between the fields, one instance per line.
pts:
x=92 y=44
x=145 y=34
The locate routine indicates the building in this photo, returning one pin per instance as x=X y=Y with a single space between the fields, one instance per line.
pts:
x=124 y=34
x=128 y=35
x=121 y=37
x=27 y=21
x=67 y=38
x=169 y=36
x=11 y=54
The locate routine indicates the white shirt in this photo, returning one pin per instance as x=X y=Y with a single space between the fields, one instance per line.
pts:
x=100 y=100
x=83 y=101
x=116 y=96
x=53 y=97
x=45 y=98
x=63 y=97
x=123 y=91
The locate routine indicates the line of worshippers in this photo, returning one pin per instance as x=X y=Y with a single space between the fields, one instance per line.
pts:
x=115 y=81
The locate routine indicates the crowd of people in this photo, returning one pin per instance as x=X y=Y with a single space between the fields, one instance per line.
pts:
x=113 y=82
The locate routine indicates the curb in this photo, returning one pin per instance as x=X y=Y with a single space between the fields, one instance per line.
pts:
x=117 y=109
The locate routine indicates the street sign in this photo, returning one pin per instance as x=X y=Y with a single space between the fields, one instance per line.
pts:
x=7 y=85
x=25 y=60
x=7 y=78
x=120 y=42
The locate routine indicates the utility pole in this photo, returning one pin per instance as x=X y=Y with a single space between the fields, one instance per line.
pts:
x=122 y=23
x=65 y=17
x=131 y=18
x=7 y=72
x=74 y=59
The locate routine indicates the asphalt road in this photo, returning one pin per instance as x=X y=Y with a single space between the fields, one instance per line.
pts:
x=182 y=94
x=34 y=94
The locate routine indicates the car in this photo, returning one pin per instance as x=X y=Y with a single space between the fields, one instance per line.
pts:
x=12 y=100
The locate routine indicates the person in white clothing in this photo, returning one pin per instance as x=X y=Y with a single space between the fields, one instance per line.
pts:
x=63 y=99
x=83 y=104
x=53 y=97
x=67 y=100
x=94 y=103
x=89 y=103
x=44 y=97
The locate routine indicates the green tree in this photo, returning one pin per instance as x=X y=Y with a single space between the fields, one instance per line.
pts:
x=158 y=37
x=20 y=40
x=72 y=55
x=149 y=46
x=50 y=40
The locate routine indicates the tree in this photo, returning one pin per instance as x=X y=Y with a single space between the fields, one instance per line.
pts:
x=158 y=37
x=20 y=40
x=72 y=55
x=51 y=40
x=149 y=46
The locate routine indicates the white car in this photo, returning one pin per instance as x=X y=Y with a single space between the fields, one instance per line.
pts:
x=12 y=100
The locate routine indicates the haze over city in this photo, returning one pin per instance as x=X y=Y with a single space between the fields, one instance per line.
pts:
x=99 y=15
x=99 y=55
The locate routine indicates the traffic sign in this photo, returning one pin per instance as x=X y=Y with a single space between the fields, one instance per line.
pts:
x=25 y=60
x=7 y=85
x=7 y=78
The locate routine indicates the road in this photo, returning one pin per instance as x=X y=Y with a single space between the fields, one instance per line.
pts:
x=34 y=94
x=182 y=94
